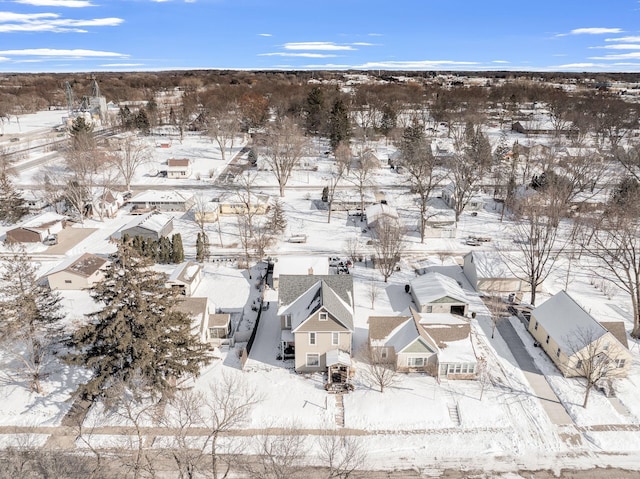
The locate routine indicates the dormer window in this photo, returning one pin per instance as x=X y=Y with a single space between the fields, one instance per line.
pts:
x=324 y=316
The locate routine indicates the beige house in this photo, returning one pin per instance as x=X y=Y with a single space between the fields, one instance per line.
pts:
x=438 y=344
x=77 y=272
x=235 y=204
x=570 y=336
x=211 y=327
x=487 y=271
x=316 y=319
x=436 y=293
x=186 y=277
x=37 y=228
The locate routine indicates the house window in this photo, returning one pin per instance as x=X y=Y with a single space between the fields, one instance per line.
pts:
x=535 y=325
x=606 y=346
x=458 y=368
x=324 y=316
x=429 y=309
x=579 y=364
x=547 y=339
x=67 y=281
x=383 y=353
x=464 y=369
x=472 y=368
x=287 y=321
x=335 y=339
x=620 y=363
x=312 y=338
x=415 y=362
x=313 y=360
x=558 y=353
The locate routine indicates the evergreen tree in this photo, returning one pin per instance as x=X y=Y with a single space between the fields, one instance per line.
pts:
x=276 y=219
x=142 y=122
x=163 y=254
x=177 y=250
x=339 y=124
x=81 y=135
x=137 y=339
x=199 y=248
x=30 y=313
x=12 y=206
x=315 y=111
x=126 y=118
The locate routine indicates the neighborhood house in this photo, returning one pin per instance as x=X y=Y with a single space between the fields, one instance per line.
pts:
x=436 y=293
x=37 y=229
x=77 y=272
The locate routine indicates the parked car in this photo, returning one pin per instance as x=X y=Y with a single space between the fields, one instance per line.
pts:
x=51 y=240
x=298 y=239
x=473 y=242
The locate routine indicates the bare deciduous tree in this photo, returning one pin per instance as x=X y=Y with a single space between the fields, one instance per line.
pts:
x=277 y=456
x=337 y=173
x=592 y=358
x=283 y=146
x=361 y=172
x=388 y=244
x=342 y=455
x=380 y=370
x=224 y=126
x=127 y=156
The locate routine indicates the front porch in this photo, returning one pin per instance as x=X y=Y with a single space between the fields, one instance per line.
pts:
x=339 y=371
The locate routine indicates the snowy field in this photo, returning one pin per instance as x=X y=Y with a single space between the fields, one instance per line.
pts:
x=503 y=425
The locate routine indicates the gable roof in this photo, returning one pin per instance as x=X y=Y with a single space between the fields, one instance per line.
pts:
x=178 y=162
x=489 y=265
x=153 y=221
x=185 y=272
x=451 y=334
x=83 y=265
x=161 y=196
x=562 y=318
x=433 y=286
x=399 y=332
x=319 y=295
x=291 y=286
x=42 y=221
x=618 y=330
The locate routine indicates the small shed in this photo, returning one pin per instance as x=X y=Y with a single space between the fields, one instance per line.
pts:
x=437 y=293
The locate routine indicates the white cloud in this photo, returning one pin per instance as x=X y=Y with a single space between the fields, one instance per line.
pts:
x=573 y=66
x=375 y=34
x=500 y=61
x=121 y=65
x=620 y=56
x=4 y=59
x=621 y=46
x=623 y=39
x=57 y=3
x=52 y=52
x=264 y=35
x=316 y=46
x=50 y=22
x=590 y=31
x=364 y=44
x=304 y=55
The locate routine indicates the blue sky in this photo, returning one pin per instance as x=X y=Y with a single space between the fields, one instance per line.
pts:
x=99 y=35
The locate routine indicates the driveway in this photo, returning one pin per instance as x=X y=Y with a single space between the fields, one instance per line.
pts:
x=550 y=402
x=68 y=238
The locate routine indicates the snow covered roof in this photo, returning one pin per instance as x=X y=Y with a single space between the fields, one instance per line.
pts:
x=153 y=221
x=451 y=334
x=319 y=295
x=291 y=286
x=434 y=286
x=567 y=322
x=377 y=211
x=335 y=356
x=186 y=272
x=82 y=265
x=42 y=220
x=489 y=265
x=301 y=265
x=161 y=196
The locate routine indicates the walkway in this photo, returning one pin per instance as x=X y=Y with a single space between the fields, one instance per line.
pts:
x=550 y=402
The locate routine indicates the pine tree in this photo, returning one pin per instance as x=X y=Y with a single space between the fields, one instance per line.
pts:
x=315 y=111
x=177 y=250
x=199 y=248
x=142 y=122
x=163 y=254
x=30 y=314
x=12 y=205
x=339 y=124
x=81 y=135
x=276 y=220
x=138 y=339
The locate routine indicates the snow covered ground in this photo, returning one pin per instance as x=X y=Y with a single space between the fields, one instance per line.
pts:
x=503 y=425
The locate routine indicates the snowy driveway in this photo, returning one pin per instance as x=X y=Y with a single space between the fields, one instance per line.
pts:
x=536 y=379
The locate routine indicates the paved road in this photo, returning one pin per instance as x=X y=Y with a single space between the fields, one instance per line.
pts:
x=550 y=402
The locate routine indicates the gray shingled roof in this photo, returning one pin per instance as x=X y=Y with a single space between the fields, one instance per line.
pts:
x=292 y=286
